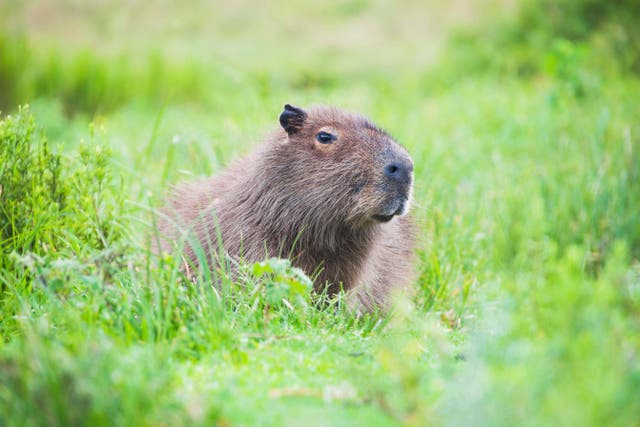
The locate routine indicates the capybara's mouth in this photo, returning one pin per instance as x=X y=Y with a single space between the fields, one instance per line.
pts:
x=383 y=218
x=398 y=208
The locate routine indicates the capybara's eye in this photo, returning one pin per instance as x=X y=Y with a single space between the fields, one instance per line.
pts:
x=325 y=137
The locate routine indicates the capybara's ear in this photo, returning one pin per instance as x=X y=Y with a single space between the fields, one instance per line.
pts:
x=292 y=119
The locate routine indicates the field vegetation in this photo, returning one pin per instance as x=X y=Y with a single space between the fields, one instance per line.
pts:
x=523 y=122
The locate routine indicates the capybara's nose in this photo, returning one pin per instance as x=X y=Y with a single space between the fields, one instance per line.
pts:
x=399 y=171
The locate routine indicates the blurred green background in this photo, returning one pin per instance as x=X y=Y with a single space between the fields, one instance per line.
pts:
x=522 y=119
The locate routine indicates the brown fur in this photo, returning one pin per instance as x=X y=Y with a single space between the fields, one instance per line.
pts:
x=318 y=204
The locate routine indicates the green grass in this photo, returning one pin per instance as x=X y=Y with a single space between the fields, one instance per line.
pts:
x=527 y=150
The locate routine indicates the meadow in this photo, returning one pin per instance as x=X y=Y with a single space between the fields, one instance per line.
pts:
x=523 y=122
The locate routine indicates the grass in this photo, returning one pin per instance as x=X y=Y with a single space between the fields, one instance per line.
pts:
x=527 y=307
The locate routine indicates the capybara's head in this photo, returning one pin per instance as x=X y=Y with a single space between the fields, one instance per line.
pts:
x=343 y=166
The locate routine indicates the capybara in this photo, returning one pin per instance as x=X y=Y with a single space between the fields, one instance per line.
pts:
x=329 y=190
